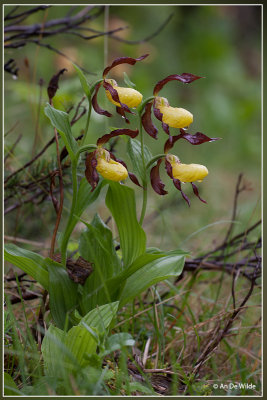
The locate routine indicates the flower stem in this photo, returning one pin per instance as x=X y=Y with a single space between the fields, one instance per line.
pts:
x=87 y=121
x=144 y=205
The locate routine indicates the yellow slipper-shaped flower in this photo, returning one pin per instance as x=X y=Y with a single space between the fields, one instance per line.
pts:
x=173 y=116
x=111 y=169
x=189 y=172
x=176 y=117
x=131 y=97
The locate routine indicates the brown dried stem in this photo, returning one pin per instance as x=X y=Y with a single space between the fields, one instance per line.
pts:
x=61 y=187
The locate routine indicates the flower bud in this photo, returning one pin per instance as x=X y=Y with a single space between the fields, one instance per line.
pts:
x=130 y=97
x=111 y=169
x=189 y=172
x=173 y=117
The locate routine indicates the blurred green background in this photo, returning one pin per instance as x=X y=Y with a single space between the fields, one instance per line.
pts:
x=220 y=43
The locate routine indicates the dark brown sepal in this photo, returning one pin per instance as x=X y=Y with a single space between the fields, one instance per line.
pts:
x=95 y=104
x=114 y=94
x=122 y=114
x=53 y=84
x=123 y=60
x=170 y=142
x=156 y=182
x=168 y=168
x=132 y=176
x=184 y=78
x=195 y=190
x=176 y=182
x=90 y=170
x=159 y=116
x=117 y=132
x=134 y=179
x=147 y=122
x=197 y=138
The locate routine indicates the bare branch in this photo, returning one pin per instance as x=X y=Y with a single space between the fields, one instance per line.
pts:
x=147 y=38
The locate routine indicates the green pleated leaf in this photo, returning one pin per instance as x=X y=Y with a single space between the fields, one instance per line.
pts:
x=60 y=120
x=134 y=151
x=85 y=197
x=101 y=317
x=96 y=246
x=31 y=263
x=158 y=270
x=140 y=262
x=79 y=342
x=83 y=80
x=120 y=200
x=53 y=352
x=114 y=285
x=63 y=293
x=10 y=388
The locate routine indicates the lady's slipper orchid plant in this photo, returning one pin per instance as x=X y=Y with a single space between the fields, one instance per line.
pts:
x=103 y=162
x=123 y=98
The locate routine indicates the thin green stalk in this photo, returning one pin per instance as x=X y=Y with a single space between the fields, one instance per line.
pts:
x=73 y=205
x=86 y=148
x=87 y=121
x=144 y=205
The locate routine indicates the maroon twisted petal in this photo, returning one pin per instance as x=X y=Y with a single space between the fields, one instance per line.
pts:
x=184 y=78
x=156 y=182
x=117 y=132
x=123 y=60
x=159 y=116
x=132 y=176
x=195 y=190
x=95 y=104
x=147 y=122
x=90 y=170
x=176 y=182
x=197 y=138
